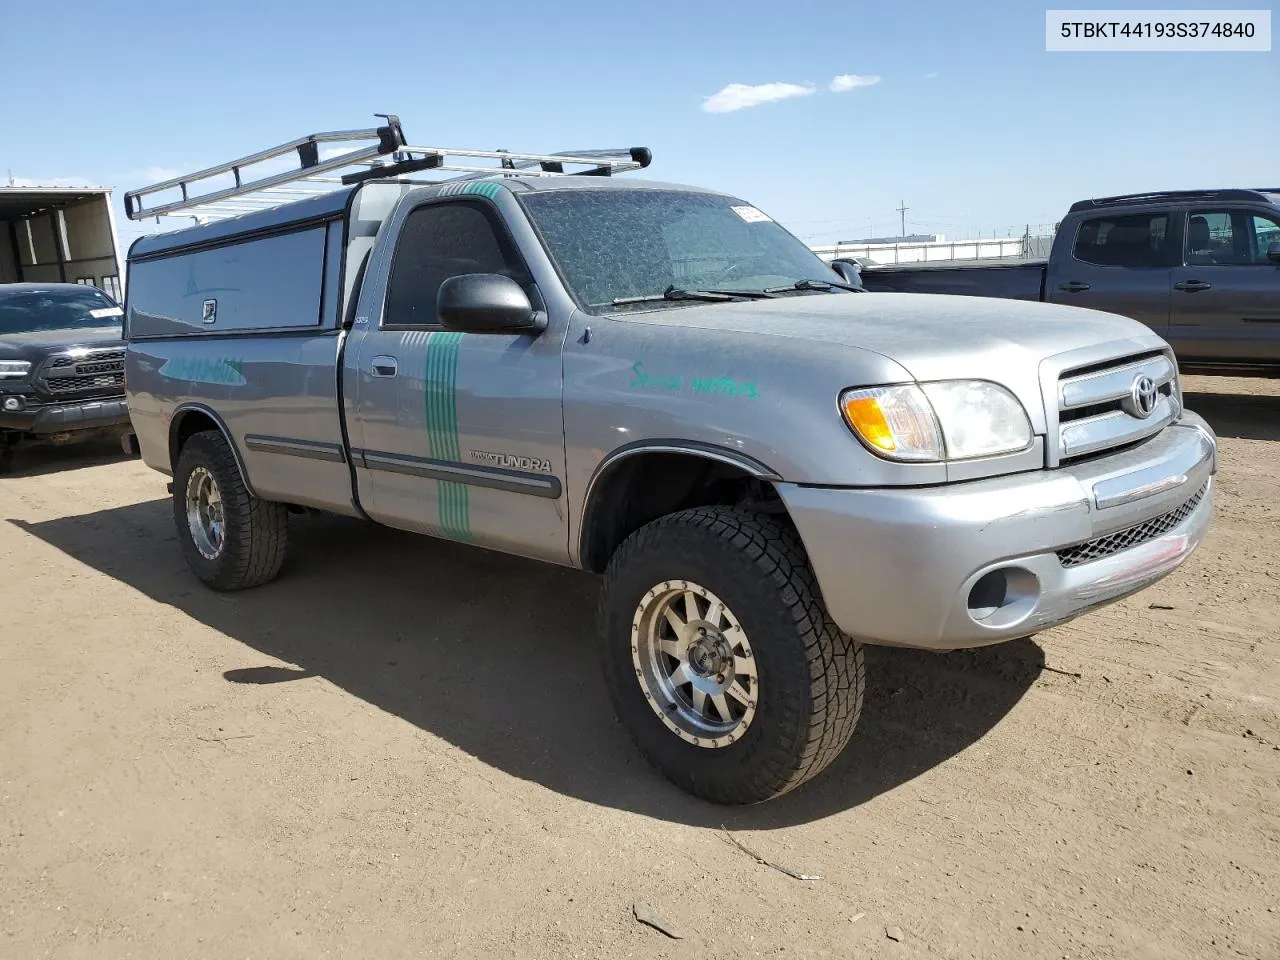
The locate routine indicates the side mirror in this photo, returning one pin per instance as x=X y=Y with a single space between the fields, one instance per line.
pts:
x=849 y=271
x=1273 y=251
x=486 y=303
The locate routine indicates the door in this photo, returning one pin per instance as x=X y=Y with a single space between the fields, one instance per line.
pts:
x=1120 y=263
x=1226 y=293
x=459 y=435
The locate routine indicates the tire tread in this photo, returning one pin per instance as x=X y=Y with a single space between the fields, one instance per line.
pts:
x=257 y=531
x=837 y=671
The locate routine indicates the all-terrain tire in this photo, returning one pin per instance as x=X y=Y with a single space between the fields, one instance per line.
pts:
x=256 y=532
x=811 y=675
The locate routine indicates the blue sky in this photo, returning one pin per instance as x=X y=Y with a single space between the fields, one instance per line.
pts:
x=970 y=121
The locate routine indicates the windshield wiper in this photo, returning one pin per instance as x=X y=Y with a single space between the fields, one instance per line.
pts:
x=711 y=296
x=807 y=284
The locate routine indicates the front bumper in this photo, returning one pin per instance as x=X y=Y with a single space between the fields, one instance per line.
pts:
x=971 y=564
x=69 y=417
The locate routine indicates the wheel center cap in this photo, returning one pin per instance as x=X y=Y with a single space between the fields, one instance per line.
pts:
x=709 y=653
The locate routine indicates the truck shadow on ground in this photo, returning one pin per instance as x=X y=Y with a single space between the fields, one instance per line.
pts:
x=497 y=656
x=41 y=459
x=1239 y=415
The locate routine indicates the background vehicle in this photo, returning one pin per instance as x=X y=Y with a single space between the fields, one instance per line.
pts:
x=1201 y=268
x=61 y=365
x=659 y=384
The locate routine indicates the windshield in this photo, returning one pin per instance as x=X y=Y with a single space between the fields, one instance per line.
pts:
x=619 y=243
x=32 y=311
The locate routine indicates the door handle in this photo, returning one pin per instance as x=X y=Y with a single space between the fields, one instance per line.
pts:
x=384 y=366
x=1191 y=286
x=1073 y=286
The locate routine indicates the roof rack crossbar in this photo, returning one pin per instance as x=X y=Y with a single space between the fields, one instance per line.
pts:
x=597 y=163
x=389 y=139
x=388 y=156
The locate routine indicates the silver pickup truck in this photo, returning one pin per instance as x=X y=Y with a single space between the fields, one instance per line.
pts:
x=662 y=385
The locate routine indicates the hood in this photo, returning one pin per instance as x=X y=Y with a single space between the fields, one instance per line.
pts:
x=39 y=344
x=932 y=336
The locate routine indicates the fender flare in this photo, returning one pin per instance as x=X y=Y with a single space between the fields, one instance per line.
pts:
x=706 y=451
x=176 y=418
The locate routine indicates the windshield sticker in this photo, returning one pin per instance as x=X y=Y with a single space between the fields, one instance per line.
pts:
x=752 y=215
x=223 y=372
x=724 y=386
x=106 y=312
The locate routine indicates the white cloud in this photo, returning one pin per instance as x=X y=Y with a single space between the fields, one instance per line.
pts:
x=737 y=96
x=851 y=81
x=933 y=75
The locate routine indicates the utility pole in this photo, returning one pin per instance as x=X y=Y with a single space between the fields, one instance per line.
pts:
x=902 y=212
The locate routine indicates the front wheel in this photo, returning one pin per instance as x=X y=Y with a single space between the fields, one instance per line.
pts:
x=231 y=539
x=721 y=659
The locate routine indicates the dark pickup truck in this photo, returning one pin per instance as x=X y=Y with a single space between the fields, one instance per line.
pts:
x=61 y=365
x=1201 y=268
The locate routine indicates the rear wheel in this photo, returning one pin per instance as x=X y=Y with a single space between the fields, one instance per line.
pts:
x=721 y=659
x=231 y=539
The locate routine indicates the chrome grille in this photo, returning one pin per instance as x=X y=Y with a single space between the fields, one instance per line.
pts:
x=1097 y=405
x=95 y=371
x=1131 y=536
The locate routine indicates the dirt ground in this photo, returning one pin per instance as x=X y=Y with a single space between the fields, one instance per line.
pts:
x=403 y=749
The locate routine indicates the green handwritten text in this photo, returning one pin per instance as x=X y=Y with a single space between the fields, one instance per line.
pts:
x=720 y=386
x=646 y=381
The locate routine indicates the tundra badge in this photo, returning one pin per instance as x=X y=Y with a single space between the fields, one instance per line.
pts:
x=511 y=462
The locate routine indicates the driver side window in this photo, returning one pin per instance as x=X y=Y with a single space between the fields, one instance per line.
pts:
x=440 y=240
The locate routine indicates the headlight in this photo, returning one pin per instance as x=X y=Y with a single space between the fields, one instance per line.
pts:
x=14 y=369
x=979 y=419
x=947 y=420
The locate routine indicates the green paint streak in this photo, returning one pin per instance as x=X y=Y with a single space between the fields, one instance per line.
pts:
x=223 y=371
x=487 y=190
x=440 y=398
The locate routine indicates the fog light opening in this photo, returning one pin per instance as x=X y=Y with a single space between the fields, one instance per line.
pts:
x=1004 y=596
x=12 y=404
x=988 y=594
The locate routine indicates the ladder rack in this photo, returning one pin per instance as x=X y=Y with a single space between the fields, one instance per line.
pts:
x=378 y=153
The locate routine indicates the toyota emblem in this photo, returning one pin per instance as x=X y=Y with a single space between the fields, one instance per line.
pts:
x=1144 y=396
